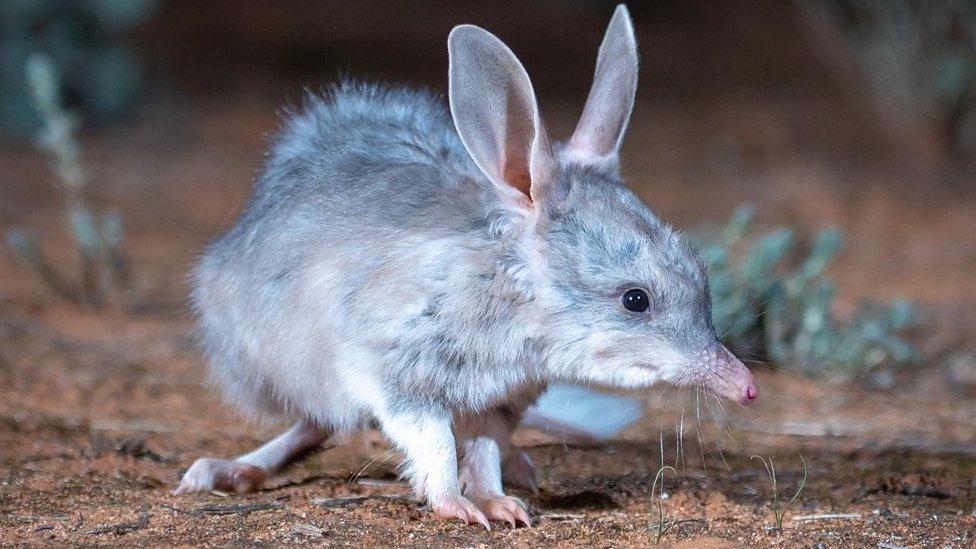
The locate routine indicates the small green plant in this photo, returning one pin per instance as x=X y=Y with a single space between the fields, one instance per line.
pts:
x=663 y=523
x=97 y=235
x=780 y=511
x=768 y=299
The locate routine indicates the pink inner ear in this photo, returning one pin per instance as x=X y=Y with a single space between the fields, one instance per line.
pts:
x=517 y=176
x=515 y=168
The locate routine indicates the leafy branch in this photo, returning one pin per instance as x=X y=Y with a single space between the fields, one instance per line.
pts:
x=97 y=235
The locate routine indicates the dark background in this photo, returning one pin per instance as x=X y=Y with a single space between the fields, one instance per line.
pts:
x=736 y=104
x=100 y=411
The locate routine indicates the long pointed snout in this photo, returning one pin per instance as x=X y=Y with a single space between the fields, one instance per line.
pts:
x=726 y=376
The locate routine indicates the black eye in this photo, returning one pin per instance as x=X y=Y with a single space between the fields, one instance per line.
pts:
x=636 y=300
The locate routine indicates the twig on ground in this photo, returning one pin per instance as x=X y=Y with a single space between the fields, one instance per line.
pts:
x=380 y=482
x=177 y=509
x=122 y=528
x=237 y=508
x=339 y=502
x=826 y=516
x=232 y=509
x=562 y=517
x=28 y=519
x=308 y=530
x=354 y=500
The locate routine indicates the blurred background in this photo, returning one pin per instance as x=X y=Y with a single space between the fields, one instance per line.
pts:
x=132 y=131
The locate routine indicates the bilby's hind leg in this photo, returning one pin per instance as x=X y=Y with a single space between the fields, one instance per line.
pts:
x=518 y=471
x=247 y=472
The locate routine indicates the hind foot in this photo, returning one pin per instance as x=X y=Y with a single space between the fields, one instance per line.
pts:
x=220 y=474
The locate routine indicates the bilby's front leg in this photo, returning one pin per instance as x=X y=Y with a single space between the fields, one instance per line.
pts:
x=483 y=444
x=427 y=442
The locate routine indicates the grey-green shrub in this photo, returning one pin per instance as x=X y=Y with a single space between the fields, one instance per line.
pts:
x=97 y=235
x=771 y=304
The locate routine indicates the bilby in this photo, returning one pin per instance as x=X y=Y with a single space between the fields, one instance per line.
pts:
x=430 y=270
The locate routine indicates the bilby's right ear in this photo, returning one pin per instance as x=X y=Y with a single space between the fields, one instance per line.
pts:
x=496 y=116
x=600 y=131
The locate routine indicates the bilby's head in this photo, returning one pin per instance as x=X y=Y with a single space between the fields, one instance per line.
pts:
x=623 y=299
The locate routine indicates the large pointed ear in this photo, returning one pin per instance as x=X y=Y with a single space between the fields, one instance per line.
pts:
x=495 y=113
x=600 y=131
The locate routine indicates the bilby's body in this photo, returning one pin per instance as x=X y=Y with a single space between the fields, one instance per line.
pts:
x=434 y=270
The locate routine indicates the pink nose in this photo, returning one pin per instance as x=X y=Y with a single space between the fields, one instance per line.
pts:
x=735 y=382
x=750 y=394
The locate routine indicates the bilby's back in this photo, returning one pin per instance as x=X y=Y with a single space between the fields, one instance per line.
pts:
x=367 y=180
x=362 y=157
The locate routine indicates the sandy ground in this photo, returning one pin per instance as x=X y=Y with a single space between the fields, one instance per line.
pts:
x=101 y=413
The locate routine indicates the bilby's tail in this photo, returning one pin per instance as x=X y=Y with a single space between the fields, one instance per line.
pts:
x=581 y=415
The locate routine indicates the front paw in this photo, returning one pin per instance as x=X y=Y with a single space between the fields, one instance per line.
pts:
x=459 y=507
x=518 y=471
x=505 y=509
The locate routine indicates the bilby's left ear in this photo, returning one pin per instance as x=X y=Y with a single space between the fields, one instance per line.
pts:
x=600 y=131
x=496 y=116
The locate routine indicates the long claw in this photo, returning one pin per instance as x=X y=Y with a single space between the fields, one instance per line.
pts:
x=460 y=508
x=523 y=516
x=507 y=509
x=483 y=520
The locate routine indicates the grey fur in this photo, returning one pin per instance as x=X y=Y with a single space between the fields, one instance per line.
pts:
x=379 y=271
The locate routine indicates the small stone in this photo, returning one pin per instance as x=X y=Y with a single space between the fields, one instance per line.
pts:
x=308 y=530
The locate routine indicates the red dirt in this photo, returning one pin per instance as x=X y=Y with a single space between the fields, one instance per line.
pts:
x=101 y=412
